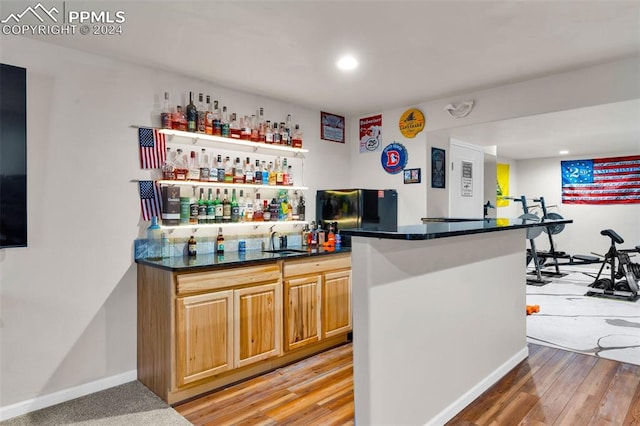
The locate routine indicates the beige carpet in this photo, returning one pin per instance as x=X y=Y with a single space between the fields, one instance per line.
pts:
x=131 y=404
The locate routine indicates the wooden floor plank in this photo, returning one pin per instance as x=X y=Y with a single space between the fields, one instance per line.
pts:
x=550 y=387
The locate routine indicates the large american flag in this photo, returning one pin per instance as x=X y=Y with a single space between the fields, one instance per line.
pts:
x=152 y=148
x=150 y=199
x=613 y=180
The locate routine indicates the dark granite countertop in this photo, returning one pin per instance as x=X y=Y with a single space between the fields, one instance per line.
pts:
x=212 y=260
x=442 y=229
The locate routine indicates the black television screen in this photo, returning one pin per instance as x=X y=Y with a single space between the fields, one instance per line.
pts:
x=13 y=156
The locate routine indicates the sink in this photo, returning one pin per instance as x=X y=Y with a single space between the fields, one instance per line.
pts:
x=285 y=251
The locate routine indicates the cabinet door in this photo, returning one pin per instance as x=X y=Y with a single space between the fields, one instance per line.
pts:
x=302 y=311
x=336 y=303
x=204 y=327
x=258 y=323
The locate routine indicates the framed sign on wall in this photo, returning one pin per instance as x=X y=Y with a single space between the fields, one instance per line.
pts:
x=331 y=127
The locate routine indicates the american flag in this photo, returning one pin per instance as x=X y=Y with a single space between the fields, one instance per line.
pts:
x=152 y=148
x=150 y=199
x=601 y=181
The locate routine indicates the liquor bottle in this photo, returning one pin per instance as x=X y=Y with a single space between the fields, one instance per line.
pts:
x=242 y=205
x=192 y=115
x=192 y=246
x=245 y=128
x=261 y=126
x=220 y=169
x=202 y=208
x=238 y=172
x=178 y=119
x=272 y=174
x=213 y=169
x=296 y=138
x=179 y=167
x=274 y=207
x=235 y=207
x=257 y=210
x=184 y=210
x=211 y=209
x=194 y=167
x=257 y=178
x=285 y=173
x=167 y=166
x=226 y=208
x=220 y=242
x=228 y=170
x=265 y=173
x=165 y=115
x=255 y=130
x=208 y=117
x=290 y=174
x=249 y=172
x=268 y=132
x=279 y=173
x=288 y=130
x=204 y=166
x=217 y=120
x=248 y=209
x=218 y=208
x=301 y=208
x=294 y=206
x=193 y=209
x=224 y=123
x=284 y=136
x=201 y=113
x=276 y=134
x=234 y=127
x=266 y=213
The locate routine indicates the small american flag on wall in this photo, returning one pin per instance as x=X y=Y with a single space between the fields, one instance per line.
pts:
x=152 y=148
x=150 y=199
x=613 y=180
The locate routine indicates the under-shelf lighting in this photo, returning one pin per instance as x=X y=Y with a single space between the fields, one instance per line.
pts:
x=563 y=152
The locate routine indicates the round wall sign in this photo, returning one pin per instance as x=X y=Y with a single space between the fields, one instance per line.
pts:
x=411 y=123
x=394 y=158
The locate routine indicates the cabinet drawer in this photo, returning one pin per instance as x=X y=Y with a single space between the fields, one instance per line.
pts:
x=317 y=265
x=212 y=280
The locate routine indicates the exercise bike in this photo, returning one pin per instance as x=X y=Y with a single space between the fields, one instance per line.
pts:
x=625 y=275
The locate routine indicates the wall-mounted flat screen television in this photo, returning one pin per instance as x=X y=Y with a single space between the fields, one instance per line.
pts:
x=13 y=156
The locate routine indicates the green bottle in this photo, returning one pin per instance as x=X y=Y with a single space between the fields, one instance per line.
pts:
x=235 y=207
x=211 y=211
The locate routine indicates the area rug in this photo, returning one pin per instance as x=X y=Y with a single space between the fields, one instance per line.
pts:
x=128 y=404
x=589 y=325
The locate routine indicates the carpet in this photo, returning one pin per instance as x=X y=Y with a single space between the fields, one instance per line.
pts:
x=128 y=404
x=589 y=325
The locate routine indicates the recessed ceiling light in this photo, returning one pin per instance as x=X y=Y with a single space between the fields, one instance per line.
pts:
x=563 y=152
x=347 y=63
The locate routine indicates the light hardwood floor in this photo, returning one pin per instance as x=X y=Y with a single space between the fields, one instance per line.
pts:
x=551 y=387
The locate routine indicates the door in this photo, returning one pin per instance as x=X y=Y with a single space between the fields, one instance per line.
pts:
x=466 y=182
x=203 y=336
x=302 y=311
x=336 y=303
x=258 y=323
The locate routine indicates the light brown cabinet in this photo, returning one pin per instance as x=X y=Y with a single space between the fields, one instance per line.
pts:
x=199 y=331
x=317 y=299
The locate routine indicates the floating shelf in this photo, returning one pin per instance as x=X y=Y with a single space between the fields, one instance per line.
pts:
x=237 y=225
x=230 y=185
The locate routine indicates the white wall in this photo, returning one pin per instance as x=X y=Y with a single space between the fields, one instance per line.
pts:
x=68 y=300
x=542 y=177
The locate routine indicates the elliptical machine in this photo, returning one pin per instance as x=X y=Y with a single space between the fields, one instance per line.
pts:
x=626 y=272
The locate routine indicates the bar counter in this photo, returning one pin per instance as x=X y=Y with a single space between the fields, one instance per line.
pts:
x=438 y=316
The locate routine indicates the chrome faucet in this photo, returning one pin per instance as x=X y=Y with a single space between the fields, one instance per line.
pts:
x=272 y=237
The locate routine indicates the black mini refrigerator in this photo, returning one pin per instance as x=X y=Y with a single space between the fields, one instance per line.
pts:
x=358 y=208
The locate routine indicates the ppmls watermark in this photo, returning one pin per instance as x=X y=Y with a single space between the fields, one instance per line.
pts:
x=59 y=18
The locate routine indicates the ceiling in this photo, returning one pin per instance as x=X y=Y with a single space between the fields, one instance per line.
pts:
x=409 y=51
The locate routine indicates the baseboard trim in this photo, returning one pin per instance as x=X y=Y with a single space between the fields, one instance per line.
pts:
x=37 y=403
x=458 y=405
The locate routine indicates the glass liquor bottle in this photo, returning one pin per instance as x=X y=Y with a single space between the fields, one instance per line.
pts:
x=288 y=130
x=217 y=120
x=276 y=134
x=204 y=166
x=285 y=173
x=178 y=119
x=213 y=169
x=218 y=208
x=255 y=131
x=266 y=213
x=192 y=115
x=242 y=205
x=257 y=177
x=211 y=208
x=279 y=173
x=265 y=173
x=220 y=169
x=238 y=172
x=284 y=136
x=235 y=207
x=165 y=115
x=179 y=166
x=226 y=208
x=245 y=128
x=257 y=212
x=202 y=208
x=228 y=170
x=201 y=113
x=224 y=123
x=220 y=242
x=249 y=172
x=268 y=132
x=234 y=127
x=261 y=126
x=290 y=174
x=248 y=209
x=208 y=117
x=272 y=174
x=194 y=167
x=167 y=166
x=296 y=138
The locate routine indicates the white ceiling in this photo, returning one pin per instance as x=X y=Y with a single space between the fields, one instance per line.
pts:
x=409 y=51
